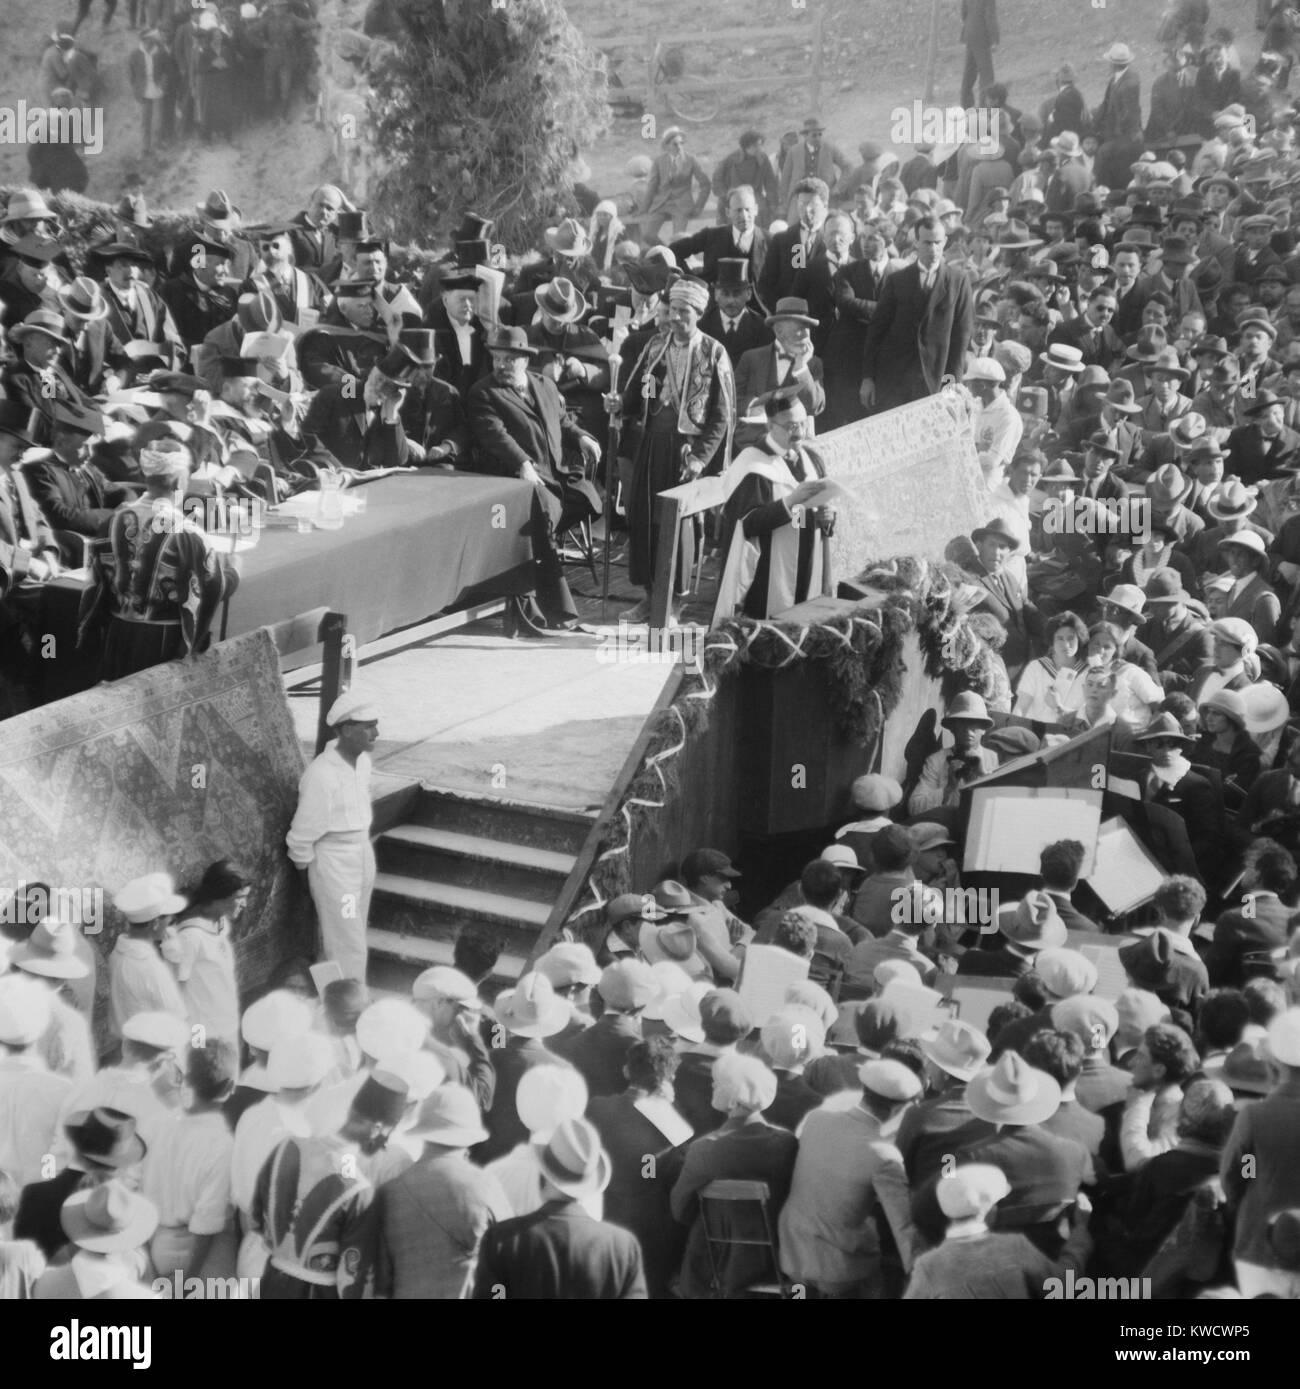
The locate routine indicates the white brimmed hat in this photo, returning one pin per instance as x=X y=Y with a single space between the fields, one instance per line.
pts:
x=1284 y=1037
x=531 y=1009
x=278 y=1015
x=296 y=1063
x=548 y=1096
x=574 y=1161
x=156 y=1029
x=391 y=1027
x=25 y=1010
x=148 y=898
x=108 y=1218
x=50 y=951
x=449 y=1116
x=1013 y=1092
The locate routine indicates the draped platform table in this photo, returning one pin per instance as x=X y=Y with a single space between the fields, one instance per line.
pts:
x=425 y=544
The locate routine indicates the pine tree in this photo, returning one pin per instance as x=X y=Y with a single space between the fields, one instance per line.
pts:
x=483 y=106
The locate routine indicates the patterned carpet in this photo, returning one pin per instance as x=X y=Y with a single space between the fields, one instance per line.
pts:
x=169 y=769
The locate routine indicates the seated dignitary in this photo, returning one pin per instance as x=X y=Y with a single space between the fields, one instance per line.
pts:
x=520 y=429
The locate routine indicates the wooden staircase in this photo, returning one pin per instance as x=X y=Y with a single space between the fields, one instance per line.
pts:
x=450 y=863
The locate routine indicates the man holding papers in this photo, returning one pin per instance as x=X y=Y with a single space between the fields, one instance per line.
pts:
x=778 y=517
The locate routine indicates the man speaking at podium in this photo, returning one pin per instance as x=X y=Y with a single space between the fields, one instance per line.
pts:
x=779 y=515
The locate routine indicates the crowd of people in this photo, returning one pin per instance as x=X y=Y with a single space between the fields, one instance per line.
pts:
x=1122 y=303
x=201 y=71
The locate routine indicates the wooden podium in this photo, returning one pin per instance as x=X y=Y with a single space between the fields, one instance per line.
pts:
x=796 y=766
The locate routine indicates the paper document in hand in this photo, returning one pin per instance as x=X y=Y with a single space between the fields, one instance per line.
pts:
x=1010 y=826
x=1123 y=875
x=665 y=1116
x=767 y=973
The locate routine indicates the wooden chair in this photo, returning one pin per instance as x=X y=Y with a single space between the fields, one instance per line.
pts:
x=728 y=1209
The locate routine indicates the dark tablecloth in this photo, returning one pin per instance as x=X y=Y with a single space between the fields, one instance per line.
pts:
x=426 y=544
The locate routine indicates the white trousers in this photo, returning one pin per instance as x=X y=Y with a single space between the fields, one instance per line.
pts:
x=341 y=878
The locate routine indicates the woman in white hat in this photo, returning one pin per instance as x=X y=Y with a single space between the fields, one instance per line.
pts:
x=329 y=839
x=1227 y=745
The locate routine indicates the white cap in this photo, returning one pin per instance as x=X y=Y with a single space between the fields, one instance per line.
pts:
x=569 y=963
x=391 y=1028
x=985 y=369
x=1284 y=1037
x=163 y=1030
x=422 y=1072
x=299 y=1062
x=276 y=1016
x=840 y=855
x=972 y=1190
x=444 y=982
x=742 y=1080
x=148 y=898
x=547 y=1096
x=355 y=704
x=25 y=1010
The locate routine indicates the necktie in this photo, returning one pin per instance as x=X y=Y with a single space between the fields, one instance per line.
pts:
x=794 y=461
x=729 y=325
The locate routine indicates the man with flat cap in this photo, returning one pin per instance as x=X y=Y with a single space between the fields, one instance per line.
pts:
x=329 y=839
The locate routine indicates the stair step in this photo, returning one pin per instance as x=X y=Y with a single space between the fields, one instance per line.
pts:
x=425 y=953
x=477 y=846
x=513 y=911
x=534 y=826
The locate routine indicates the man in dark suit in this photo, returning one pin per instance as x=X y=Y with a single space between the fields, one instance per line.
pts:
x=559 y=1252
x=521 y=429
x=729 y=318
x=462 y=340
x=1172 y=783
x=363 y=428
x=742 y=239
x=93 y=351
x=1260 y=925
x=1262 y=448
x=1117 y=121
x=789 y=361
x=922 y=324
x=979 y=33
x=1121 y=611
x=630 y=1135
x=816 y=281
x=791 y=250
x=312 y=230
x=1059 y=865
x=600 y=1053
x=104 y=1145
x=1272 y=805
x=1256 y=255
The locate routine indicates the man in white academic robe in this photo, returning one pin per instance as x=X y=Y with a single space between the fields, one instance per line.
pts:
x=777 y=518
x=330 y=834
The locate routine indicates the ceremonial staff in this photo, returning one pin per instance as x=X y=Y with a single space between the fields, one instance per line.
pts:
x=613 y=407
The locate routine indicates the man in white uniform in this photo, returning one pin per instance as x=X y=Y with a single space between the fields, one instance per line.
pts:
x=330 y=834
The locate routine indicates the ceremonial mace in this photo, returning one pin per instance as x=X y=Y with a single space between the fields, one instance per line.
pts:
x=618 y=338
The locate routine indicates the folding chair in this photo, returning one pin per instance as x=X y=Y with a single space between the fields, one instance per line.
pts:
x=737 y=1215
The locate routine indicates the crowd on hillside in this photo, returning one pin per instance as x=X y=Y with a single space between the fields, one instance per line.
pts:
x=1121 y=300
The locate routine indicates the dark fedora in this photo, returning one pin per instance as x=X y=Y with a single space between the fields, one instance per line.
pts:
x=648 y=277
x=998 y=528
x=1163 y=726
x=105 y=1138
x=512 y=340
x=421 y=345
x=109 y=251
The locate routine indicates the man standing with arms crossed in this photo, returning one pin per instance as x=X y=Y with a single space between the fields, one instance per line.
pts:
x=329 y=838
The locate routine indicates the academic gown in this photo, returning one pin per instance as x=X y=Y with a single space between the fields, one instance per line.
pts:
x=771 y=564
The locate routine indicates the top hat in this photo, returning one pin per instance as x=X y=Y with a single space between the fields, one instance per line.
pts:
x=353 y=226
x=733 y=273
x=473 y=228
x=420 y=344
x=474 y=252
